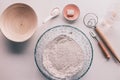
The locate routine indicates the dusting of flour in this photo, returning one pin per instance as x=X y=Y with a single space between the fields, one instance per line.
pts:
x=63 y=57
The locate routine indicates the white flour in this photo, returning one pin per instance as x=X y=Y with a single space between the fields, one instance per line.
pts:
x=63 y=57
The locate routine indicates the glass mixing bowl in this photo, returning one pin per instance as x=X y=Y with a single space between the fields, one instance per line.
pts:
x=76 y=35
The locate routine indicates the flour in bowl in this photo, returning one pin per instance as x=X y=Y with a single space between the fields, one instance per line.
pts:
x=63 y=57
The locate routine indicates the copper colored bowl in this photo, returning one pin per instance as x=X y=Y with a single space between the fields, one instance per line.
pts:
x=71 y=7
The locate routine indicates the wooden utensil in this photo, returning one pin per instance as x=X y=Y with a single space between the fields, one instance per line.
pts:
x=90 y=20
x=107 y=43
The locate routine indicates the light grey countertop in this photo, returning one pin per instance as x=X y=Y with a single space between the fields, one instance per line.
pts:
x=17 y=59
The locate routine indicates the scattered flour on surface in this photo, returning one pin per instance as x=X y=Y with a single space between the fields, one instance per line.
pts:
x=63 y=57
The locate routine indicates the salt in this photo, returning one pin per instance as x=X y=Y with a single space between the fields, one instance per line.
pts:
x=70 y=12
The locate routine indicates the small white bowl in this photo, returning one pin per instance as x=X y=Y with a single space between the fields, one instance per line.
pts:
x=18 y=22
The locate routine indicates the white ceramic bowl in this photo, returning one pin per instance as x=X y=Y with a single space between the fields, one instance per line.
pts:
x=18 y=22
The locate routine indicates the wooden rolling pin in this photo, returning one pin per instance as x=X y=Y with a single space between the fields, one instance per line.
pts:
x=107 y=43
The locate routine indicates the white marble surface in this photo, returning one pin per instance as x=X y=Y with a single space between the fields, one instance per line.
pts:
x=17 y=60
